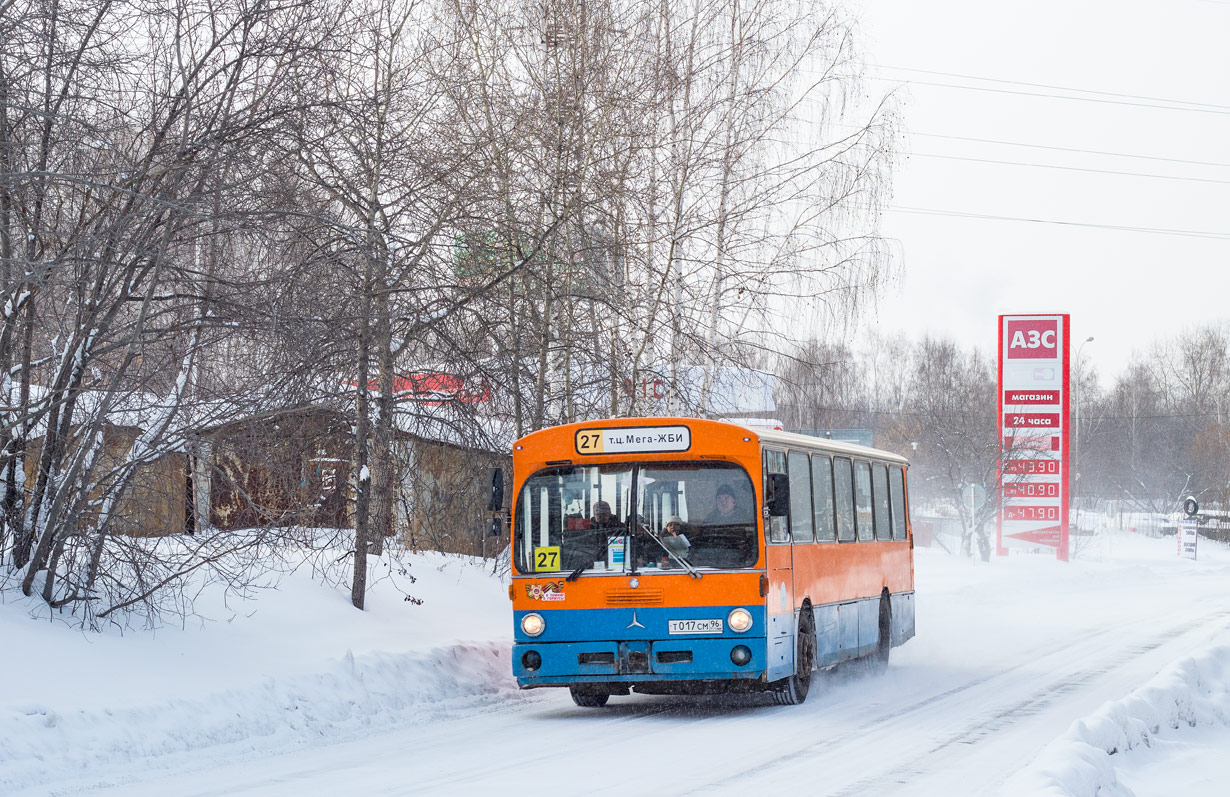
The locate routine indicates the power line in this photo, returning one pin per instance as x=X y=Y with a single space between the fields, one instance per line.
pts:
x=1078 y=150
x=1163 y=417
x=1073 y=168
x=1060 y=88
x=1219 y=236
x=1216 y=109
x=1071 y=149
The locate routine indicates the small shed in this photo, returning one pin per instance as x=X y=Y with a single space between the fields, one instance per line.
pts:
x=287 y=468
x=152 y=502
x=443 y=495
x=295 y=467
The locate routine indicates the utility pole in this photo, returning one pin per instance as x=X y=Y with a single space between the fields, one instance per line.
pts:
x=1076 y=432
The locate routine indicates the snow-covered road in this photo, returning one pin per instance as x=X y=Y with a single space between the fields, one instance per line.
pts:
x=1007 y=657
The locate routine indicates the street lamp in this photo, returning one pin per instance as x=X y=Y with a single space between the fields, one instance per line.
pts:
x=1076 y=438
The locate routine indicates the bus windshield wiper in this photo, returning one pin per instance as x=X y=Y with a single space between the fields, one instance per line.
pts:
x=683 y=562
x=575 y=574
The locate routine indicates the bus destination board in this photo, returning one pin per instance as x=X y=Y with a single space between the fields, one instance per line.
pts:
x=634 y=440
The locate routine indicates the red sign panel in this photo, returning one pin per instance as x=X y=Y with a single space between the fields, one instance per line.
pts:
x=1032 y=339
x=1044 y=536
x=1031 y=442
x=1018 y=466
x=1031 y=420
x=1032 y=490
x=1019 y=512
x=434 y=388
x=1031 y=396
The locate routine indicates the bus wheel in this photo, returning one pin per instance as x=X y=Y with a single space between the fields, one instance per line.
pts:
x=884 y=645
x=586 y=699
x=793 y=690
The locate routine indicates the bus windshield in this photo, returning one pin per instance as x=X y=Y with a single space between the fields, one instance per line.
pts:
x=693 y=514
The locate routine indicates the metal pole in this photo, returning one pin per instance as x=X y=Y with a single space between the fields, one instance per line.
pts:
x=1076 y=433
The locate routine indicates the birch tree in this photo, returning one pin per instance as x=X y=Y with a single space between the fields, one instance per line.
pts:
x=691 y=165
x=400 y=175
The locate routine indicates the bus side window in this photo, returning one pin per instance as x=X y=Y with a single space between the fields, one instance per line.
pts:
x=897 y=479
x=525 y=527
x=879 y=497
x=800 y=497
x=862 y=500
x=843 y=489
x=822 y=489
x=776 y=528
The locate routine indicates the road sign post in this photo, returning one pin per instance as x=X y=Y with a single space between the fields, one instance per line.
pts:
x=973 y=496
x=1189 y=528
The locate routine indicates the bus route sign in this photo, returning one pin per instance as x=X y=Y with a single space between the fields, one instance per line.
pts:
x=1033 y=417
x=634 y=440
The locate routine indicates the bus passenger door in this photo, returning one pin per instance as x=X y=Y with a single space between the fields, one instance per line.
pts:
x=782 y=622
x=779 y=563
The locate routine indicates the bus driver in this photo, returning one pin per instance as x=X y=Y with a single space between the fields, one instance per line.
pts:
x=725 y=512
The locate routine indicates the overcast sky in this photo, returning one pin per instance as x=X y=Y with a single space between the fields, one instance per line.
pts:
x=1154 y=81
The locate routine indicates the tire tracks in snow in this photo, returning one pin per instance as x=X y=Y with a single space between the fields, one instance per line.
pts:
x=994 y=715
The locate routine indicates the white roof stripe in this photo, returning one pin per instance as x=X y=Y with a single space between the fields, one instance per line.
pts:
x=834 y=446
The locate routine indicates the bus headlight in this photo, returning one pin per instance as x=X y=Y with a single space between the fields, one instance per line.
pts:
x=739 y=620
x=533 y=624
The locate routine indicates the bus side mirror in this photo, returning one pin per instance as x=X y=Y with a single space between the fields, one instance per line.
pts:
x=778 y=499
x=496 y=501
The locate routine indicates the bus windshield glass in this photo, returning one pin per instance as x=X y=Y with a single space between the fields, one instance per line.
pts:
x=701 y=513
x=585 y=518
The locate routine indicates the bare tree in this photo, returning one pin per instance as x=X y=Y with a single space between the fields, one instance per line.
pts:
x=1158 y=434
x=686 y=162
x=125 y=128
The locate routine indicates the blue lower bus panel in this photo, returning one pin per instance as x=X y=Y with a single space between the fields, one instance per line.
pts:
x=617 y=645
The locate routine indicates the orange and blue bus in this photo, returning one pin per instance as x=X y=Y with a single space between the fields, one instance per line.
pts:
x=673 y=555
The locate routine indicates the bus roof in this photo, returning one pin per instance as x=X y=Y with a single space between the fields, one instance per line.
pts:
x=760 y=433
x=836 y=446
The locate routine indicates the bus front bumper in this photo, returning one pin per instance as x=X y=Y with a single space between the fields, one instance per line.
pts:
x=639 y=661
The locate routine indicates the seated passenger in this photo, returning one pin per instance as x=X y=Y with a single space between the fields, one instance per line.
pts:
x=602 y=516
x=675 y=540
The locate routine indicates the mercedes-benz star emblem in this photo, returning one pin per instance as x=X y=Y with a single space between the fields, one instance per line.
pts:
x=634 y=623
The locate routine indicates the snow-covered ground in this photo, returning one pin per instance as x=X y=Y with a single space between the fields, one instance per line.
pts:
x=1107 y=675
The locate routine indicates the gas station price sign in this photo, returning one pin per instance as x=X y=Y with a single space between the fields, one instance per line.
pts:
x=1033 y=418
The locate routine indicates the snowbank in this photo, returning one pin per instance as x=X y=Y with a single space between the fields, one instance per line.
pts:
x=351 y=697
x=306 y=666
x=1192 y=692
